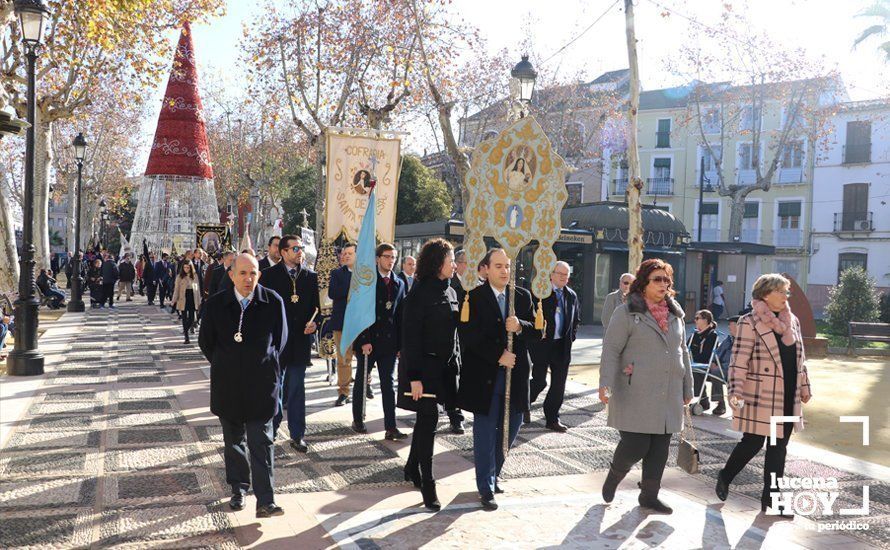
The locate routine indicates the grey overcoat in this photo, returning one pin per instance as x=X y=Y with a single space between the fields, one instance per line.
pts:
x=613 y=300
x=651 y=400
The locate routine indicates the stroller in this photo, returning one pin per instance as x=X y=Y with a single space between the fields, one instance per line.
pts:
x=712 y=370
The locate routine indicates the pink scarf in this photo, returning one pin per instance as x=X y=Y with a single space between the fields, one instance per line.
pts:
x=781 y=324
x=659 y=310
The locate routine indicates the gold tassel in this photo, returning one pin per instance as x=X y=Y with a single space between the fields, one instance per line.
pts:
x=465 y=309
x=539 y=317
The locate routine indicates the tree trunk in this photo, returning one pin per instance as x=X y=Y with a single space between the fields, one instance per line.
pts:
x=634 y=182
x=9 y=257
x=43 y=132
x=461 y=162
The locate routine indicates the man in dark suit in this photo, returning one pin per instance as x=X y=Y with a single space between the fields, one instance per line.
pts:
x=409 y=267
x=219 y=279
x=274 y=255
x=485 y=360
x=163 y=277
x=338 y=292
x=298 y=287
x=562 y=312
x=380 y=344
x=243 y=337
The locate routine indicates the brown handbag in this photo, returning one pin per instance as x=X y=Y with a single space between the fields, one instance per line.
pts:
x=687 y=453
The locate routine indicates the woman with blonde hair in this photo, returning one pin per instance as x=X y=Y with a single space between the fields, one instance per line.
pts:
x=767 y=378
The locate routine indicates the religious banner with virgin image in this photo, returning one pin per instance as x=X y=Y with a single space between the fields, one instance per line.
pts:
x=352 y=162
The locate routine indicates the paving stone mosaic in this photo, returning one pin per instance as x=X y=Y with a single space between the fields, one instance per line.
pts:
x=351 y=449
x=49 y=492
x=170 y=487
x=64 y=423
x=143 y=436
x=24 y=529
x=66 y=407
x=374 y=474
x=148 y=525
x=53 y=439
x=168 y=456
x=142 y=405
x=63 y=380
x=123 y=395
x=45 y=462
x=88 y=395
x=147 y=419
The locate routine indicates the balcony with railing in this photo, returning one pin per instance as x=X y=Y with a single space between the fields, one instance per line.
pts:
x=857 y=153
x=750 y=236
x=660 y=186
x=619 y=185
x=789 y=238
x=853 y=222
x=789 y=175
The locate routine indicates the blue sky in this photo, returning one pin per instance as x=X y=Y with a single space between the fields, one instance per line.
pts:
x=822 y=27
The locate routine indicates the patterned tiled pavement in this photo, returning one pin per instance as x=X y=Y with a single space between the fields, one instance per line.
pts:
x=106 y=454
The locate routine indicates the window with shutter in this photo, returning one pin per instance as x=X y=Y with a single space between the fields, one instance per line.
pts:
x=663 y=134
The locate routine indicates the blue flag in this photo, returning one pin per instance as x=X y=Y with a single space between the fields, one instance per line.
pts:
x=362 y=300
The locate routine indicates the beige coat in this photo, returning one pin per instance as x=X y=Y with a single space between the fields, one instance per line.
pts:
x=755 y=375
x=182 y=284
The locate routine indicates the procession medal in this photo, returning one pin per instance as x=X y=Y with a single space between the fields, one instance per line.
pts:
x=388 y=305
x=238 y=337
x=294 y=299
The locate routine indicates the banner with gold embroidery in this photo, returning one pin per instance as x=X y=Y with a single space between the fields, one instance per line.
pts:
x=516 y=188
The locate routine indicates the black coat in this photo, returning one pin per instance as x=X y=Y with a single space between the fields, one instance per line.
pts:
x=429 y=352
x=219 y=280
x=127 y=272
x=458 y=288
x=298 y=348
x=338 y=292
x=404 y=279
x=569 y=324
x=483 y=339
x=244 y=377
x=385 y=334
x=701 y=345
x=110 y=272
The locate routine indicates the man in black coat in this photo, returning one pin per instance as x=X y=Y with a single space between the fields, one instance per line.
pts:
x=243 y=336
x=298 y=287
x=274 y=255
x=110 y=275
x=562 y=312
x=163 y=277
x=380 y=344
x=409 y=268
x=219 y=278
x=485 y=360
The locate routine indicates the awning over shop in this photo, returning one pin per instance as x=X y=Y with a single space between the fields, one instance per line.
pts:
x=753 y=249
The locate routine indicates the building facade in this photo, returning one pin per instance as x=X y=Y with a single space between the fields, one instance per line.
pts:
x=851 y=200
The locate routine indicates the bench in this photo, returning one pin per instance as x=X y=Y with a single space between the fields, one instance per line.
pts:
x=868 y=332
x=44 y=299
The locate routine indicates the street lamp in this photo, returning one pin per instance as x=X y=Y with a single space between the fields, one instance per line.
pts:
x=26 y=359
x=523 y=84
x=75 y=304
x=103 y=209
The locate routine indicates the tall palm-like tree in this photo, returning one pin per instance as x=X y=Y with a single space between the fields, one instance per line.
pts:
x=880 y=10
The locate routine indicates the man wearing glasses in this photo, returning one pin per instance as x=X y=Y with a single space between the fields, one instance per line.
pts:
x=562 y=313
x=298 y=288
x=615 y=299
x=380 y=344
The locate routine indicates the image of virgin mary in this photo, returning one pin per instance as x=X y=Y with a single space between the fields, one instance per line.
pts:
x=519 y=176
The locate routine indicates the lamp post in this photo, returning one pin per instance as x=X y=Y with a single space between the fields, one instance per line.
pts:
x=103 y=208
x=75 y=304
x=523 y=84
x=701 y=191
x=26 y=359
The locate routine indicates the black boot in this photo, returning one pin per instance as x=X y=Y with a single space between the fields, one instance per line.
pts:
x=430 y=499
x=412 y=474
x=648 y=498
x=722 y=488
x=611 y=483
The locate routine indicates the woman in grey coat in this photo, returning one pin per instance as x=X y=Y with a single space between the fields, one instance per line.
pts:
x=646 y=378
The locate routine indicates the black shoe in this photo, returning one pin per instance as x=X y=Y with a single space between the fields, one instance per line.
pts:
x=498 y=490
x=430 y=499
x=557 y=426
x=613 y=478
x=489 y=503
x=412 y=474
x=395 y=435
x=458 y=428
x=299 y=446
x=705 y=405
x=648 y=498
x=722 y=488
x=341 y=400
x=369 y=393
x=269 y=510
x=527 y=417
x=720 y=409
x=359 y=427
x=187 y=341
x=237 y=501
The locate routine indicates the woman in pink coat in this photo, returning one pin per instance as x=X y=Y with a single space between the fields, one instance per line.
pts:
x=767 y=377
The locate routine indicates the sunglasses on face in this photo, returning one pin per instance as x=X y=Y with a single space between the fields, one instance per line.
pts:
x=660 y=279
x=297 y=248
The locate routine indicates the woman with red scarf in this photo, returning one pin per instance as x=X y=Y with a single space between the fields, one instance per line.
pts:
x=646 y=379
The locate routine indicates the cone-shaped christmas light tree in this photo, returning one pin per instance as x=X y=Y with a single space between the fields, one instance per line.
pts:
x=177 y=190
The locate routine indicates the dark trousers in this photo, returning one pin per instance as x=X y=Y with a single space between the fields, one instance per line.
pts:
x=188 y=318
x=551 y=354
x=255 y=438
x=141 y=287
x=749 y=446
x=488 y=439
x=150 y=290
x=699 y=379
x=386 y=369
x=162 y=293
x=651 y=448
x=294 y=389
x=108 y=293
x=57 y=296
x=423 y=439
x=455 y=415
